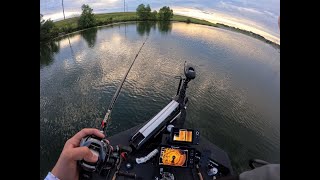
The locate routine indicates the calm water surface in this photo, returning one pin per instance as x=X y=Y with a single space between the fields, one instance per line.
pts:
x=234 y=100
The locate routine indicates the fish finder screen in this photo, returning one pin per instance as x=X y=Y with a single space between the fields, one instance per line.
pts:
x=173 y=157
x=182 y=135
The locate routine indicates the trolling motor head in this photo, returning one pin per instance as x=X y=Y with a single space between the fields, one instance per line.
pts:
x=189 y=72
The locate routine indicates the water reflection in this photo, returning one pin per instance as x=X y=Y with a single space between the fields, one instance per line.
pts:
x=143 y=28
x=234 y=101
x=47 y=52
x=72 y=52
x=90 y=36
x=164 y=27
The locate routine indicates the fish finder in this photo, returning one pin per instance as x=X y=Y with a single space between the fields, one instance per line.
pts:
x=184 y=136
x=173 y=156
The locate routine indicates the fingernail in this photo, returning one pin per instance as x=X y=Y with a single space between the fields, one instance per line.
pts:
x=94 y=158
x=102 y=133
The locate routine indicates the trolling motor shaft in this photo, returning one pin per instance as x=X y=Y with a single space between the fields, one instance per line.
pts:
x=174 y=109
x=190 y=74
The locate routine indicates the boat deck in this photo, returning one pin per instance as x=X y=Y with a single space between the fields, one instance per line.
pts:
x=149 y=170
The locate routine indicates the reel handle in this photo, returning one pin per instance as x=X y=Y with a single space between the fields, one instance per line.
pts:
x=99 y=147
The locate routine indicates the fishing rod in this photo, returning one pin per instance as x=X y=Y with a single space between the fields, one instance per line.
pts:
x=107 y=118
x=108 y=157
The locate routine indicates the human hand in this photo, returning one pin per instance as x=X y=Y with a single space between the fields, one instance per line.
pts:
x=66 y=166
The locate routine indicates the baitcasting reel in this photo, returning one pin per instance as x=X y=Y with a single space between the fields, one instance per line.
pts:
x=108 y=157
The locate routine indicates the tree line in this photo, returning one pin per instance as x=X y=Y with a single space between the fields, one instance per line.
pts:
x=47 y=29
x=144 y=13
x=87 y=19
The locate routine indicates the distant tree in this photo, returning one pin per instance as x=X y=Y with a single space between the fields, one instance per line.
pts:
x=148 y=9
x=140 y=11
x=165 y=13
x=154 y=15
x=188 y=20
x=41 y=20
x=87 y=18
x=48 y=29
x=143 y=12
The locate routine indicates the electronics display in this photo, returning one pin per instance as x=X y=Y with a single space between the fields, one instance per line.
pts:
x=171 y=156
x=184 y=136
x=217 y=169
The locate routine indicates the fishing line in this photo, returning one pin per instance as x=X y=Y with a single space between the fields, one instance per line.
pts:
x=107 y=118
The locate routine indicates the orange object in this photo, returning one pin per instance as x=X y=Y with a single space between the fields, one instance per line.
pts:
x=173 y=157
x=184 y=135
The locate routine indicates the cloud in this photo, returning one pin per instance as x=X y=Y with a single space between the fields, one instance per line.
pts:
x=59 y=16
x=260 y=16
x=271 y=14
x=232 y=7
x=219 y=17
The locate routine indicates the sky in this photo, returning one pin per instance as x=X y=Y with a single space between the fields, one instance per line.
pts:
x=258 y=16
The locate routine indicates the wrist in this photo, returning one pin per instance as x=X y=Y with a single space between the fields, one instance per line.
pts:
x=51 y=176
x=59 y=168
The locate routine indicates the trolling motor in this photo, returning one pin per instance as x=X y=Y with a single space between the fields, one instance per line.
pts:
x=176 y=108
x=181 y=98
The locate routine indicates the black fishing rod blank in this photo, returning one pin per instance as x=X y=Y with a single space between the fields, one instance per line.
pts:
x=106 y=118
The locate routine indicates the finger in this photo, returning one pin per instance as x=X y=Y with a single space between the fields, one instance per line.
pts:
x=83 y=153
x=85 y=132
x=107 y=141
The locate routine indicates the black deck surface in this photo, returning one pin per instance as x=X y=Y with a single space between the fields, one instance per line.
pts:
x=149 y=170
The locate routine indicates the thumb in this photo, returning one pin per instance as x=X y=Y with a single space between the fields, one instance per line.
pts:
x=84 y=153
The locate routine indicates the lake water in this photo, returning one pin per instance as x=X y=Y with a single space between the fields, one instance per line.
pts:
x=234 y=100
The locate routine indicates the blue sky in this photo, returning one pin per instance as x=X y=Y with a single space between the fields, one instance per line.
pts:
x=259 y=16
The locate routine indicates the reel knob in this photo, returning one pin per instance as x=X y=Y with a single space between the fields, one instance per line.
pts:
x=97 y=146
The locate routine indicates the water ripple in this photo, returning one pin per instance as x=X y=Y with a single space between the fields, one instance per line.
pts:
x=234 y=99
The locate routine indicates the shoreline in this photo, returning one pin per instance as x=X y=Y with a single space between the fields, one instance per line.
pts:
x=69 y=26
